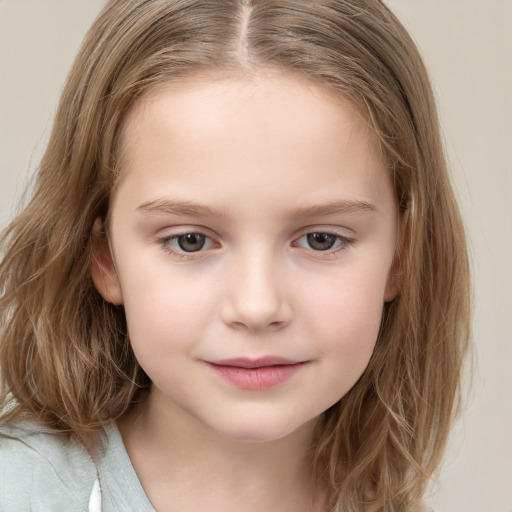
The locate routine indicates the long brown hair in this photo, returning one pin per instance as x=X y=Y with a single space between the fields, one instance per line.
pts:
x=63 y=351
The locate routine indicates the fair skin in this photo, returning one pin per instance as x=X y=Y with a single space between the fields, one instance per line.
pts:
x=292 y=230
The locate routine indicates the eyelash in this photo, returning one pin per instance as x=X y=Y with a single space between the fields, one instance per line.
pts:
x=343 y=243
x=166 y=244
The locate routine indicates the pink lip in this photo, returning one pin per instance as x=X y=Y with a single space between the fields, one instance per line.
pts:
x=256 y=374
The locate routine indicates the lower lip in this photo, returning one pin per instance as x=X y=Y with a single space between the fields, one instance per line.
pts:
x=263 y=377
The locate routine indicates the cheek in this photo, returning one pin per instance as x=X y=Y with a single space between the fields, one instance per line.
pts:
x=165 y=312
x=349 y=335
x=345 y=320
x=349 y=303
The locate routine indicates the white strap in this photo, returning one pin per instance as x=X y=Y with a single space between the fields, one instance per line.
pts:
x=95 y=499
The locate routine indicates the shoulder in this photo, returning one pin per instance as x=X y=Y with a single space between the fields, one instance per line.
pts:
x=41 y=470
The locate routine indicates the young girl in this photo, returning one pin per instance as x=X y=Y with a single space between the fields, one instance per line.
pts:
x=242 y=281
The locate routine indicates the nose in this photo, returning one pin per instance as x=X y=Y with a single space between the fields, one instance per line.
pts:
x=256 y=295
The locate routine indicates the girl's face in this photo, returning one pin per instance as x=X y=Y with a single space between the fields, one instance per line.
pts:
x=253 y=232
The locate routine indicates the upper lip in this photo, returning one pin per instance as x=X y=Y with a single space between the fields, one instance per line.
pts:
x=260 y=362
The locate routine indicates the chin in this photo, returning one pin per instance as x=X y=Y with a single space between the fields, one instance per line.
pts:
x=264 y=430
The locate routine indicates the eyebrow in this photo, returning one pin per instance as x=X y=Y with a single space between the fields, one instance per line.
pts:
x=180 y=208
x=334 y=208
x=191 y=209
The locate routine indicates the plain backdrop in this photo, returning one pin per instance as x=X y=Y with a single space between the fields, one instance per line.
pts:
x=467 y=45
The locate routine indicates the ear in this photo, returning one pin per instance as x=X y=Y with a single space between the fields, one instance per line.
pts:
x=392 y=286
x=395 y=277
x=103 y=270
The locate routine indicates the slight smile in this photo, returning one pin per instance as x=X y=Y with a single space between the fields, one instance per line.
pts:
x=256 y=374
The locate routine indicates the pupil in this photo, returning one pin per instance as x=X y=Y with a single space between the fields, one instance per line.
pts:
x=191 y=242
x=321 y=241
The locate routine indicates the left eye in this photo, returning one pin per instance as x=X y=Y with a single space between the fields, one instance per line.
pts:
x=320 y=241
x=190 y=242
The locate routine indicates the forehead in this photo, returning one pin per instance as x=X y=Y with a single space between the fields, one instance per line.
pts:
x=267 y=132
x=293 y=103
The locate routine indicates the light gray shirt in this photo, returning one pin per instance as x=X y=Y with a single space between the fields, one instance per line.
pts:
x=41 y=471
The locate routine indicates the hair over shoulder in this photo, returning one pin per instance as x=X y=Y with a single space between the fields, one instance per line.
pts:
x=64 y=354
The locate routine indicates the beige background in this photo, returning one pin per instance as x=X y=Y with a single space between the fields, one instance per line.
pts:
x=468 y=48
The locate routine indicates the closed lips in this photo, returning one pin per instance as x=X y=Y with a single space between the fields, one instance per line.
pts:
x=256 y=374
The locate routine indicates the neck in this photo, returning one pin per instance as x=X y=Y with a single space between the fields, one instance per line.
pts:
x=182 y=465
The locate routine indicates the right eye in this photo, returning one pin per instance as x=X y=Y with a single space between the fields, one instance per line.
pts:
x=186 y=243
x=190 y=242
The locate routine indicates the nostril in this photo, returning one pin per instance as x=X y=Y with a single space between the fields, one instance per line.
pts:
x=252 y=326
x=255 y=305
x=238 y=325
